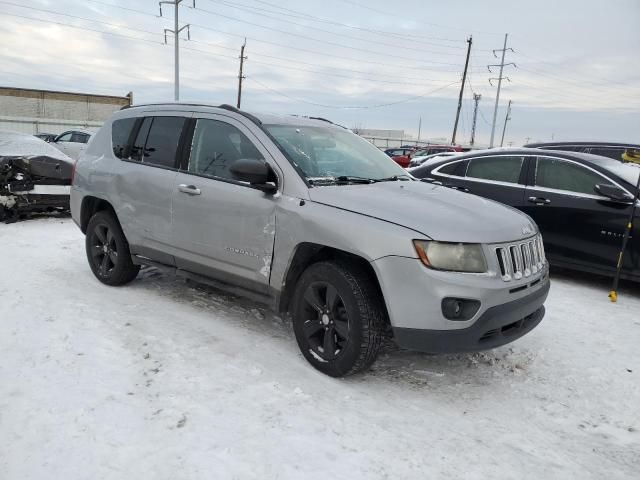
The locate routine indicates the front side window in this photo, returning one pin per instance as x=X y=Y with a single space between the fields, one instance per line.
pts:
x=216 y=146
x=77 y=137
x=560 y=175
x=500 y=169
x=64 y=138
x=332 y=152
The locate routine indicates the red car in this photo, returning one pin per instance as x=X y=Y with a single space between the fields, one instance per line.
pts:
x=402 y=156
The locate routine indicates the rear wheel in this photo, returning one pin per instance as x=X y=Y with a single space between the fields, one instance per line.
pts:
x=108 y=250
x=338 y=317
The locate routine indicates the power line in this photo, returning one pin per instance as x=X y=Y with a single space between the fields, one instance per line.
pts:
x=325 y=42
x=388 y=13
x=77 y=17
x=299 y=14
x=49 y=21
x=261 y=12
x=343 y=107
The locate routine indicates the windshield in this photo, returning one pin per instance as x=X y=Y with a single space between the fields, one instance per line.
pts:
x=331 y=153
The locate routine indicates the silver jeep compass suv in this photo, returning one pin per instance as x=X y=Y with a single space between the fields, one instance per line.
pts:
x=311 y=219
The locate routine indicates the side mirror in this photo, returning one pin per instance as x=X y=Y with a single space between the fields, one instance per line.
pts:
x=613 y=192
x=256 y=172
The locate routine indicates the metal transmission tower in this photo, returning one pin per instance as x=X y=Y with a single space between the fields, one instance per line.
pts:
x=476 y=100
x=464 y=79
x=176 y=35
x=507 y=117
x=240 y=75
x=500 y=78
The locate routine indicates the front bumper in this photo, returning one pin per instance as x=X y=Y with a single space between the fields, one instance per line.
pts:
x=497 y=326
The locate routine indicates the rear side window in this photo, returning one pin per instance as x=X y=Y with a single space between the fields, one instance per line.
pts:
x=501 y=169
x=455 y=168
x=120 y=133
x=216 y=145
x=561 y=175
x=162 y=141
x=137 y=149
x=611 y=152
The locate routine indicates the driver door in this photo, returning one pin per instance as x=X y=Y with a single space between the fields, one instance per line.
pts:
x=223 y=228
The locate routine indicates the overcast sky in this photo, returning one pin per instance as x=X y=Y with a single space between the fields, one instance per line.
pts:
x=370 y=64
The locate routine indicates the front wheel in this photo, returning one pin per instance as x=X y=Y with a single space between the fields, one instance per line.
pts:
x=338 y=317
x=108 y=250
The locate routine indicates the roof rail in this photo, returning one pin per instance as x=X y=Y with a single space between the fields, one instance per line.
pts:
x=231 y=108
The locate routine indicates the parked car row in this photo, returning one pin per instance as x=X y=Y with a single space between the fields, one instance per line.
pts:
x=404 y=155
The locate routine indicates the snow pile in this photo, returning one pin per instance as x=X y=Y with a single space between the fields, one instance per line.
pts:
x=165 y=379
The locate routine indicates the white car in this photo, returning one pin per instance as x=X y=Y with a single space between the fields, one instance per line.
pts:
x=72 y=142
x=416 y=161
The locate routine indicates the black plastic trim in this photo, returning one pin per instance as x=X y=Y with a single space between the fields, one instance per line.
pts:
x=497 y=326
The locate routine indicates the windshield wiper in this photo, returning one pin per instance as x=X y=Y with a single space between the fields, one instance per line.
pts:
x=395 y=178
x=350 y=179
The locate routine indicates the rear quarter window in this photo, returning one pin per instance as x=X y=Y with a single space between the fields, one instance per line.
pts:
x=120 y=134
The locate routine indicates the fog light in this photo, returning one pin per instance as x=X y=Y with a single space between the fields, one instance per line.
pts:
x=459 y=308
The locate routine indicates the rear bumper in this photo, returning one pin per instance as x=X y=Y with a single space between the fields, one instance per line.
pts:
x=497 y=326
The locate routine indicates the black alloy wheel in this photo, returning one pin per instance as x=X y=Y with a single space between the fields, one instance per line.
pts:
x=108 y=250
x=104 y=251
x=327 y=326
x=338 y=316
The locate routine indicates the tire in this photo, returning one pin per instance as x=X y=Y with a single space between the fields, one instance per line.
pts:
x=108 y=250
x=338 y=317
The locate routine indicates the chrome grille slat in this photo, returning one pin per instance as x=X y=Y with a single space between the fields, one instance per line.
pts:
x=521 y=259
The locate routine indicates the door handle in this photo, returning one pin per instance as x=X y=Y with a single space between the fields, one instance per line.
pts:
x=189 y=189
x=539 y=200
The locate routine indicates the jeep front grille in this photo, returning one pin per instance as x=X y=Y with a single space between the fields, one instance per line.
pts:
x=521 y=260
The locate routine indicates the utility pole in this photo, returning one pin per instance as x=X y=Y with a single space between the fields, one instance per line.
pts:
x=506 y=119
x=419 y=128
x=476 y=100
x=464 y=79
x=176 y=41
x=240 y=76
x=500 y=78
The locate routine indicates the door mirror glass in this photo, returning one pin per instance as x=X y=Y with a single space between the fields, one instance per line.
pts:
x=256 y=172
x=613 y=192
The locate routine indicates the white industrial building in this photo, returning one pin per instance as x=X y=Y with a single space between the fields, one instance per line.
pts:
x=46 y=111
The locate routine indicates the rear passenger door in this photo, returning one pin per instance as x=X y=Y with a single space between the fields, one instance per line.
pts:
x=223 y=228
x=145 y=180
x=497 y=178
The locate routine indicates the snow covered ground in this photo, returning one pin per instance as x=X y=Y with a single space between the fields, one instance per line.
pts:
x=164 y=380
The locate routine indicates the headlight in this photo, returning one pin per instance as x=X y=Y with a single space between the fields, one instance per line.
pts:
x=455 y=257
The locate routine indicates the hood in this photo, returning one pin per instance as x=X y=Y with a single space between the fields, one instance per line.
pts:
x=436 y=212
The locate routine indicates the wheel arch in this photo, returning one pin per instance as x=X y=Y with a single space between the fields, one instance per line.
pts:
x=308 y=253
x=90 y=206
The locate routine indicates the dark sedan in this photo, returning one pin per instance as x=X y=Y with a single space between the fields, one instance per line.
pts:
x=581 y=202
